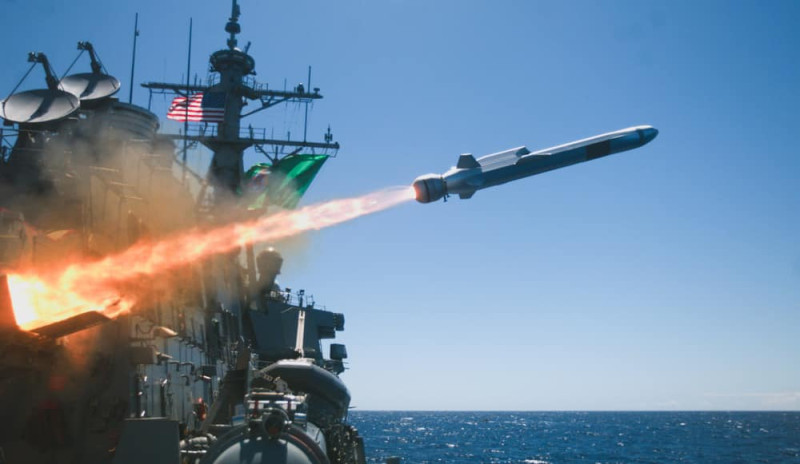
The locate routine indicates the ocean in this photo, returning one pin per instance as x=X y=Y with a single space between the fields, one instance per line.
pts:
x=580 y=437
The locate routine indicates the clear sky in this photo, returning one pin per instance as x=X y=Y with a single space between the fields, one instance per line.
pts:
x=662 y=278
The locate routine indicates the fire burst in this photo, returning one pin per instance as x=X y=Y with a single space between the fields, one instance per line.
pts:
x=43 y=299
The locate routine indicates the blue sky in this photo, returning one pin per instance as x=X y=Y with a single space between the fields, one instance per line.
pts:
x=662 y=278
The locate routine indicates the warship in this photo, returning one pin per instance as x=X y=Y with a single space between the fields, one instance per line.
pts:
x=211 y=361
x=141 y=319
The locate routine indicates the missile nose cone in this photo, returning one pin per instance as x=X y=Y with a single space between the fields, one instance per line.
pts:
x=648 y=134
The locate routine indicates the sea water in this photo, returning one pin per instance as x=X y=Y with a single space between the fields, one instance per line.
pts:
x=580 y=437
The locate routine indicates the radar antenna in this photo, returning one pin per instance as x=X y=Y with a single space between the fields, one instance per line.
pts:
x=233 y=26
x=50 y=77
x=97 y=66
x=91 y=86
x=41 y=105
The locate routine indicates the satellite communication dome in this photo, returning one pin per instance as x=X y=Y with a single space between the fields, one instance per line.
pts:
x=90 y=86
x=38 y=106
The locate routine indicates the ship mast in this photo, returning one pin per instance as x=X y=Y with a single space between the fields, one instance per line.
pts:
x=227 y=143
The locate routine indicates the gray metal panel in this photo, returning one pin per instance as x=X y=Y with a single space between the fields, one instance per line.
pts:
x=136 y=121
x=148 y=441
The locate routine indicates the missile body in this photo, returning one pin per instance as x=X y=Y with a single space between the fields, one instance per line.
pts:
x=471 y=174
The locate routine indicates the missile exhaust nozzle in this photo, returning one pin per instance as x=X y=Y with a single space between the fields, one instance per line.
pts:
x=429 y=188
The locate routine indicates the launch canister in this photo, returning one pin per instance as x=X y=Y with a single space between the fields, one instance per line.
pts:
x=471 y=175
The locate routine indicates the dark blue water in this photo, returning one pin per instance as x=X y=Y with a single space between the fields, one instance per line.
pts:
x=581 y=437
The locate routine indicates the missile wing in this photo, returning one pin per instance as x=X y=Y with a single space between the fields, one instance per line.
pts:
x=470 y=174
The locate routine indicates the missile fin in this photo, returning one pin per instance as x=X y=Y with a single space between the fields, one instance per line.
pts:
x=466 y=196
x=467 y=161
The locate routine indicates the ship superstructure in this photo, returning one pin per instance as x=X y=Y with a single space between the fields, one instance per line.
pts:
x=215 y=357
x=235 y=68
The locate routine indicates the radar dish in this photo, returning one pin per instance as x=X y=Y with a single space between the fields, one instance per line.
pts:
x=36 y=106
x=90 y=86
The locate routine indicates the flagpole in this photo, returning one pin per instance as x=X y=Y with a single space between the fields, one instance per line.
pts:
x=186 y=119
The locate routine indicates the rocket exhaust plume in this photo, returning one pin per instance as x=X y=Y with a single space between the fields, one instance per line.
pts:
x=41 y=299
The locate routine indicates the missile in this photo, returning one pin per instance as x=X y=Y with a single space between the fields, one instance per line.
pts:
x=470 y=174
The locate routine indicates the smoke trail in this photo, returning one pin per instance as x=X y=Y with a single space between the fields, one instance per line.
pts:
x=40 y=300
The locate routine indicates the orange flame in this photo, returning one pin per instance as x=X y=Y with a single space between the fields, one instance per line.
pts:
x=37 y=302
x=43 y=299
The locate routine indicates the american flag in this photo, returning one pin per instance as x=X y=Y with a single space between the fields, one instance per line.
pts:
x=209 y=107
